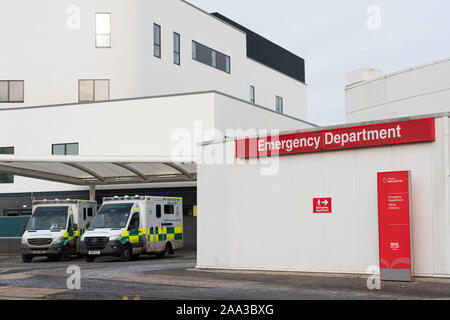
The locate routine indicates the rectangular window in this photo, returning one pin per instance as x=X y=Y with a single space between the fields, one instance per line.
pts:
x=65 y=149
x=176 y=49
x=93 y=90
x=103 y=30
x=279 y=104
x=157 y=40
x=169 y=209
x=211 y=57
x=158 y=211
x=11 y=91
x=252 y=94
x=6 y=177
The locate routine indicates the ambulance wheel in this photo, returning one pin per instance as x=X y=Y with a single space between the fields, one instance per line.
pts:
x=166 y=252
x=26 y=258
x=89 y=259
x=126 y=254
x=65 y=254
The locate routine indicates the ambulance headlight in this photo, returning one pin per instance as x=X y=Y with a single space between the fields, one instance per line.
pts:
x=115 y=238
x=58 y=240
x=24 y=241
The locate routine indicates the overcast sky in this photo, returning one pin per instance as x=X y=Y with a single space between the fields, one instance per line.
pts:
x=333 y=37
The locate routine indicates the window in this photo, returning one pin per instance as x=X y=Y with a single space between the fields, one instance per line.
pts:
x=103 y=30
x=252 y=94
x=93 y=90
x=169 y=209
x=87 y=212
x=158 y=211
x=157 y=40
x=5 y=177
x=11 y=91
x=65 y=149
x=134 y=222
x=17 y=212
x=70 y=224
x=279 y=104
x=211 y=57
x=176 y=49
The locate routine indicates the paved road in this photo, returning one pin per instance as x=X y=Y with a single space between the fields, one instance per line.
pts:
x=175 y=278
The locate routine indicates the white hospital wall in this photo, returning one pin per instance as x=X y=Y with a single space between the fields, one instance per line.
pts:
x=250 y=221
x=136 y=127
x=416 y=91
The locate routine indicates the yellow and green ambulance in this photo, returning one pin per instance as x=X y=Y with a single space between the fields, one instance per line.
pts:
x=127 y=227
x=55 y=228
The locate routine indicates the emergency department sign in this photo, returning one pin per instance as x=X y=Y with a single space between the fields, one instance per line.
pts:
x=322 y=205
x=380 y=134
x=394 y=225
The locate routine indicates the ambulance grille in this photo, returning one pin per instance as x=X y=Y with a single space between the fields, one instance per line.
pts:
x=96 y=243
x=40 y=242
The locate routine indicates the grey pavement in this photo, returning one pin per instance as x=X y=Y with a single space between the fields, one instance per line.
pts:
x=176 y=278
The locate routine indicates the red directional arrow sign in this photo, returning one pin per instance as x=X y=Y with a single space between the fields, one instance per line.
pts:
x=322 y=205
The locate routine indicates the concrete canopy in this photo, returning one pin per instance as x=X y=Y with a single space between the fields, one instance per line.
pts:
x=93 y=171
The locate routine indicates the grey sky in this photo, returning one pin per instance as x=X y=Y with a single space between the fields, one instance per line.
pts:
x=332 y=36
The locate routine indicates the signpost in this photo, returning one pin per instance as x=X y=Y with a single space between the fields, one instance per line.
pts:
x=394 y=225
x=322 y=205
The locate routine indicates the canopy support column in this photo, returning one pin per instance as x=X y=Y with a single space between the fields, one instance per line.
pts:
x=92 y=192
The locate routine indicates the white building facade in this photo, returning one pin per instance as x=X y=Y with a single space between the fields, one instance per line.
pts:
x=137 y=48
x=126 y=78
x=416 y=91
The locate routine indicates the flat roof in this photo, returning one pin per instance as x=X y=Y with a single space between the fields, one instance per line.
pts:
x=397 y=73
x=158 y=97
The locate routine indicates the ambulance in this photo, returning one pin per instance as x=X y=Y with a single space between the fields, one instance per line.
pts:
x=126 y=227
x=55 y=228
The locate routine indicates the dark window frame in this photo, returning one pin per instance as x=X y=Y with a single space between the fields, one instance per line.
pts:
x=158 y=211
x=8 y=100
x=227 y=57
x=169 y=206
x=175 y=52
x=8 y=178
x=253 y=94
x=65 y=148
x=278 y=98
x=155 y=44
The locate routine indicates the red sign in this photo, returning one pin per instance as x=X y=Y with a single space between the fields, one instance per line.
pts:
x=399 y=132
x=394 y=225
x=322 y=205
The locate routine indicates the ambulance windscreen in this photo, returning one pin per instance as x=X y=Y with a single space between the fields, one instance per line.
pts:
x=48 y=218
x=112 y=216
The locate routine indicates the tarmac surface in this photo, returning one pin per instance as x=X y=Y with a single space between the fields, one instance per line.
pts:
x=175 y=278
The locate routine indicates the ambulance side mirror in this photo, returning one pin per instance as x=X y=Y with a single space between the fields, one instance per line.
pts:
x=22 y=228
